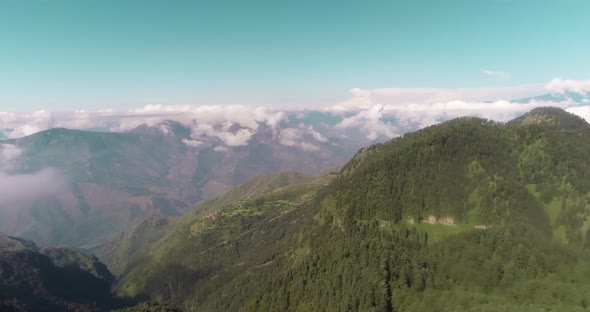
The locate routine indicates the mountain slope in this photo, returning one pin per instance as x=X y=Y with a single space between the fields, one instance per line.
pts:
x=124 y=249
x=469 y=215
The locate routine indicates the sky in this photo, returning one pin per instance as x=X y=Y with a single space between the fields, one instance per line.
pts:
x=67 y=55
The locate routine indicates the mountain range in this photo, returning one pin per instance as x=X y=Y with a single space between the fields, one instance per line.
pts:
x=85 y=187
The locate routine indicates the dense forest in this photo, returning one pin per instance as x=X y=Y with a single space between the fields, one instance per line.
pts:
x=468 y=215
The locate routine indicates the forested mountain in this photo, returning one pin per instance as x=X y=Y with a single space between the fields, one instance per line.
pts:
x=468 y=215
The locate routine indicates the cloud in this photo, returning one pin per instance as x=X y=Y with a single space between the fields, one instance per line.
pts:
x=192 y=143
x=28 y=187
x=231 y=125
x=370 y=122
x=221 y=149
x=25 y=187
x=496 y=73
x=582 y=111
x=375 y=113
x=370 y=109
x=301 y=137
x=560 y=86
x=316 y=135
x=365 y=98
x=23 y=124
x=9 y=153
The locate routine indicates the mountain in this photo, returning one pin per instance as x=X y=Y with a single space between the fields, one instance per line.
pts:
x=121 y=250
x=467 y=215
x=84 y=187
x=51 y=280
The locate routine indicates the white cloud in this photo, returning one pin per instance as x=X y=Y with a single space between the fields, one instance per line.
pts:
x=428 y=114
x=208 y=121
x=301 y=137
x=192 y=143
x=25 y=124
x=204 y=121
x=362 y=98
x=421 y=107
x=26 y=187
x=221 y=149
x=582 y=111
x=366 y=110
x=561 y=86
x=414 y=116
x=9 y=153
x=369 y=121
x=316 y=135
x=240 y=138
x=496 y=73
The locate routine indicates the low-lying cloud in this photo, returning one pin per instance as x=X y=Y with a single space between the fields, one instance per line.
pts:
x=31 y=186
x=375 y=113
x=9 y=154
x=559 y=85
x=371 y=111
x=15 y=187
x=302 y=137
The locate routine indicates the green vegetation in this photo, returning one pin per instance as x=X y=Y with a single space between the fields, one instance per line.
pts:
x=123 y=250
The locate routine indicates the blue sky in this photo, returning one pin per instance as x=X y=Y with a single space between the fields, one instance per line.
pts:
x=66 y=55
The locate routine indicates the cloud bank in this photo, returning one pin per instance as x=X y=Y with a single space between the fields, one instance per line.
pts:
x=28 y=187
x=25 y=187
x=375 y=113
x=301 y=137
x=559 y=85
x=9 y=154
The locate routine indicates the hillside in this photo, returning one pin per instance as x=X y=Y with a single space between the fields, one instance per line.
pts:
x=124 y=249
x=468 y=215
